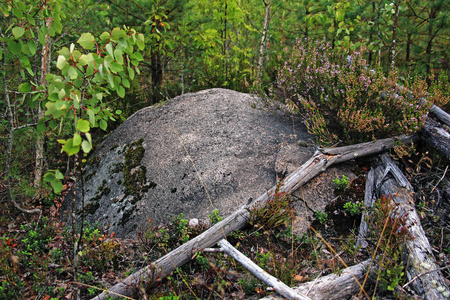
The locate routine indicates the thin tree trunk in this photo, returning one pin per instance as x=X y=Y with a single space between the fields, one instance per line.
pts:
x=318 y=163
x=10 y=145
x=394 y=35
x=263 y=38
x=380 y=41
x=39 y=163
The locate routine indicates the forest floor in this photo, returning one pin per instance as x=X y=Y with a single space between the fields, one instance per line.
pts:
x=37 y=252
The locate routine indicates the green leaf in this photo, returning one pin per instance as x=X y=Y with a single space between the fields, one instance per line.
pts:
x=70 y=149
x=87 y=147
x=137 y=56
x=73 y=74
x=110 y=49
x=40 y=126
x=76 y=139
x=83 y=60
x=118 y=54
x=131 y=73
x=24 y=87
x=104 y=36
x=18 y=12
x=57 y=186
x=111 y=80
x=32 y=47
x=86 y=40
x=61 y=62
x=49 y=177
x=115 y=67
x=103 y=124
x=59 y=175
x=118 y=33
x=14 y=47
x=120 y=91
x=83 y=125
x=89 y=138
x=18 y=32
x=125 y=83
x=91 y=117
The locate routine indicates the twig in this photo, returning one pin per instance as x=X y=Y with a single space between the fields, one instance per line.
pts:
x=424 y=273
x=443 y=176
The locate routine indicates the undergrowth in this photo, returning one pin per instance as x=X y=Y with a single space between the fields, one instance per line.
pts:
x=341 y=99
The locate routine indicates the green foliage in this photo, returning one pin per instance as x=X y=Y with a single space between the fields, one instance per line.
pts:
x=341 y=98
x=322 y=217
x=215 y=217
x=276 y=212
x=76 y=96
x=354 y=208
x=341 y=184
x=390 y=232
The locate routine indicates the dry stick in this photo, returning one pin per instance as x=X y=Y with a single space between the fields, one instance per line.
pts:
x=368 y=200
x=268 y=279
x=418 y=255
x=333 y=286
x=318 y=163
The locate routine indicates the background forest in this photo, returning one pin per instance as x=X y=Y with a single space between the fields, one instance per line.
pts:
x=71 y=70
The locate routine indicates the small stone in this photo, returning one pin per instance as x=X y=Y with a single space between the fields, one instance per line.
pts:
x=193 y=223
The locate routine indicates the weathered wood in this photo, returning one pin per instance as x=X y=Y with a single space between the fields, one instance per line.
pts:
x=319 y=162
x=440 y=114
x=333 y=286
x=433 y=134
x=262 y=275
x=418 y=256
x=368 y=201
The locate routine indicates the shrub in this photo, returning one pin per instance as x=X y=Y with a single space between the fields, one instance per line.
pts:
x=340 y=98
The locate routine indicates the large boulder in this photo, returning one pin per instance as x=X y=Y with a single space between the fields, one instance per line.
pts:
x=195 y=153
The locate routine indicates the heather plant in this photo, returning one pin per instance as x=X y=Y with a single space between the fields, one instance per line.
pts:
x=342 y=99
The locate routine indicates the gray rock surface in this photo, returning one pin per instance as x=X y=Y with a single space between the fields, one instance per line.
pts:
x=193 y=154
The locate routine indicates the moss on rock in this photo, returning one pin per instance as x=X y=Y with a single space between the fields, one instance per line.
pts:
x=134 y=173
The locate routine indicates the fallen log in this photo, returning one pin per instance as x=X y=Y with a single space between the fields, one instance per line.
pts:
x=418 y=256
x=433 y=134
x=333 y=286
x=368 y=201
x=440 y=114
x=318 y=163
x=262 y=275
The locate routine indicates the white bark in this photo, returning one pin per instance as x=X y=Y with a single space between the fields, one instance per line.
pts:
x=262 y=275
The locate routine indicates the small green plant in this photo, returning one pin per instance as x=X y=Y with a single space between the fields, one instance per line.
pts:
x=341 y=184
x=391 y=233
x=277 y=211
x=181 y=227
x=354 y=208
x=215 y=217
x=321 y=216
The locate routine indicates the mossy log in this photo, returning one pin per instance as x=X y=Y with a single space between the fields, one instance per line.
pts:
x=318 y=163
x=418 y=256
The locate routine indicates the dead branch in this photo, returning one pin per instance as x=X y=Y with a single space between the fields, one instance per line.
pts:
x=262 y=275
x=418 y=256
x=318 y=163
